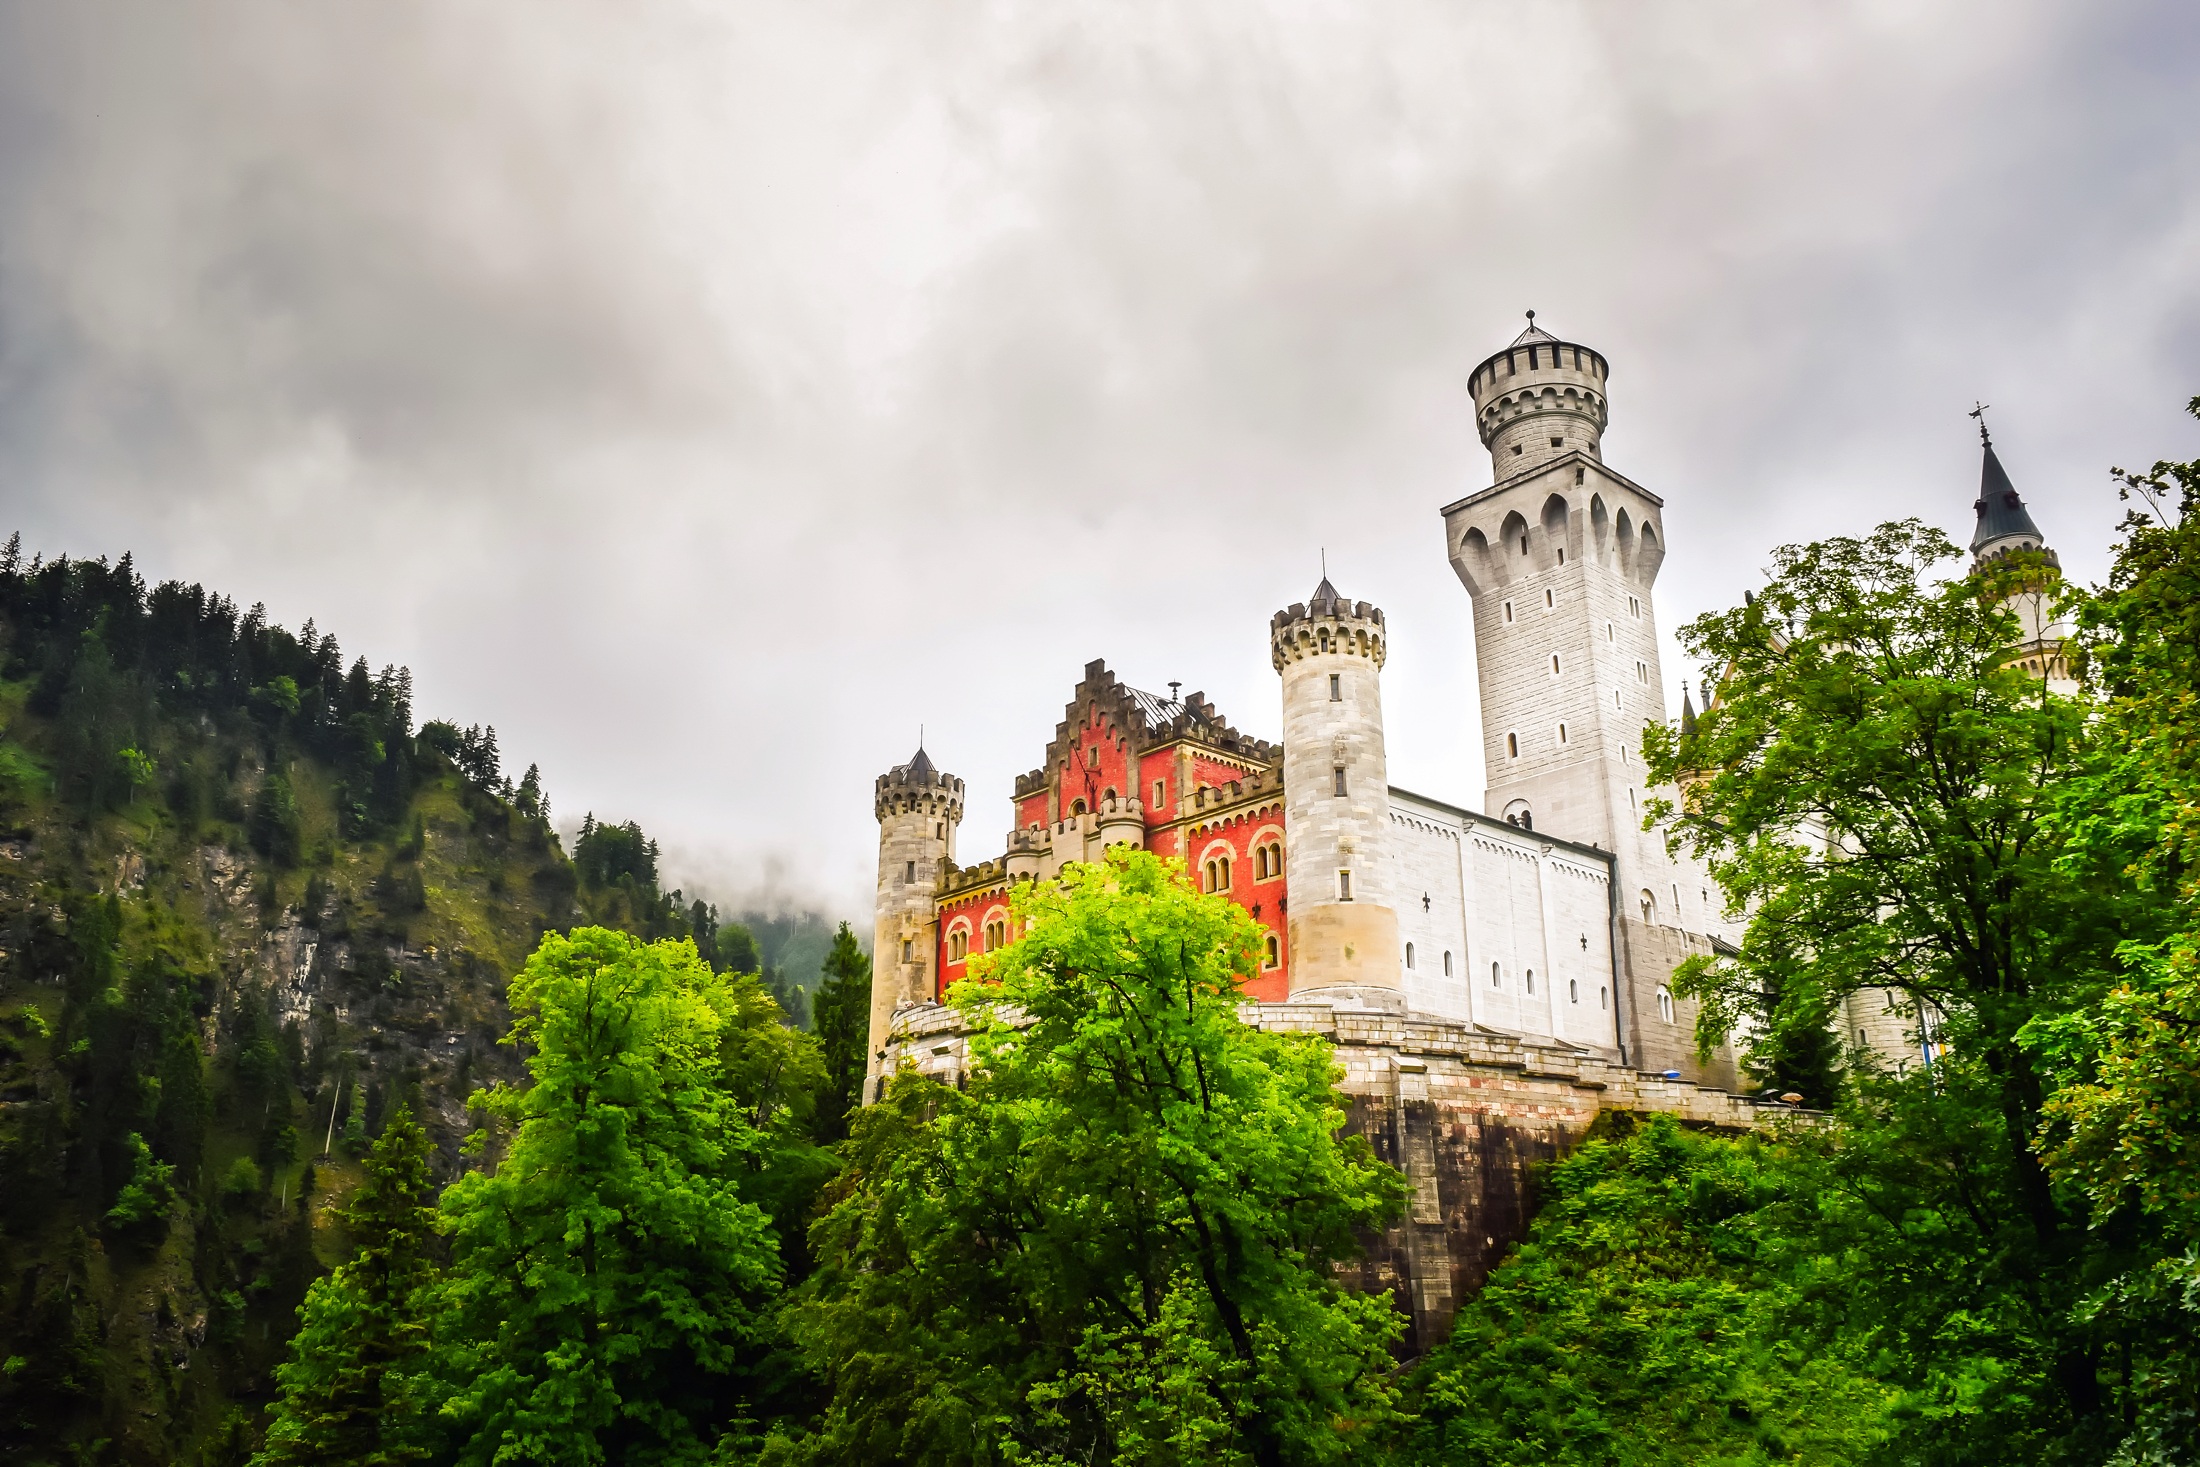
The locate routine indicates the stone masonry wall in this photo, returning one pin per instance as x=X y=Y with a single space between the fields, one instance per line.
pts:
x=1467 y=1115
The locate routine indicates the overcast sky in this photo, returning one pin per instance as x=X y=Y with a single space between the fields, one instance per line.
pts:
x=709 y=394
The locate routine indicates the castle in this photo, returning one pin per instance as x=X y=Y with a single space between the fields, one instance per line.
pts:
x=1490 y=978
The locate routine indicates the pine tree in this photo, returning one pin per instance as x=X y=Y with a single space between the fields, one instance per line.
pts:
x=345 y=1395
x=842 y=1022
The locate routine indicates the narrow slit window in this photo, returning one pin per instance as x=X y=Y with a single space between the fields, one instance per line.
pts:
x=1497 y=975
x=1160 y=793
x=1344 y=886
x=1337 y=780
x=1561 y=549
x=1573 y=990
x=1512 y=746
x=1550 y=601
x=1531 y=980
x=1554 y=664
x=1447 y=963
x=909 y=872
x=1336 y=687
x=1508 y=613
x=1562 y=734
x=1409 y=954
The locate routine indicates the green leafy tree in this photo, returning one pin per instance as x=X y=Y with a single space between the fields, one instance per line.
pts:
x=348 y=1392
x=1877 y=786
x=608 y=1282
x=276 y=830
x=2125 y=1123
x=1659 y=1313
x=842 y=1022
x=1118 y=1245
x=147 y=1190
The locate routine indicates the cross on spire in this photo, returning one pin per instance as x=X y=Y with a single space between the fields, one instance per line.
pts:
x=1978 y=411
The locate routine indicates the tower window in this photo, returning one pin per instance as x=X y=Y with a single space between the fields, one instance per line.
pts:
x=1642 y=671
x=1562 y=733
x=1554 y=664
x=1508 y=613
x=1665 y=1003
x=939 y=829
x=1531 y=980
x=1573 y=990
x=909 y=873
x=1447 y=962
x=1336 y=687
x=1602 y=991
x=1558 y=443
x=1523 y=544
x=1550 y=601
x=1344 y=886
x=1409 y=954
x=907 y=949
x=1561 y=549
x=1523 y=538
x=1272 y=952
x=1611 y=634
x=1634 y=606
x=1497 y=975
x=1160 y=793
x=1512 y=746
x=1337 y=778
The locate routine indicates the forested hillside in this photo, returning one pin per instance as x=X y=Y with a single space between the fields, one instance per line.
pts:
x=247 y=912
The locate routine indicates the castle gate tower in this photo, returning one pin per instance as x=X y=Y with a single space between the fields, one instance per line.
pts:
x=1559 y=555
x=1336 y=785
x=918 y=809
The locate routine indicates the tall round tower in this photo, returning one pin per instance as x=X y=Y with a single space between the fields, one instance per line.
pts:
x=1537 y=400
x=918 y=809
x=1336 y=789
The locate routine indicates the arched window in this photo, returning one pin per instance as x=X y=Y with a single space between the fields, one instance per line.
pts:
x=1447 y=963
x=1077 y=807
x=1512 y=746
x=1601 y=992
x=1573 y=990
x=958 y=944
x=996 y=934
x=1665 y=1003
x=1272 y=952
x=1409 y=954
x=1497 y=975
x=1649 y=900
x=1531 y=980
x=1108 y=795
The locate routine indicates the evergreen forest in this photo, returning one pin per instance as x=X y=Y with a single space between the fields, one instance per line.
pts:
x=347 y=1117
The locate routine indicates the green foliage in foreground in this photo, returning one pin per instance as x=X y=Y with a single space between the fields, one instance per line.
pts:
x=1660 y=1313
x=1115 y=1247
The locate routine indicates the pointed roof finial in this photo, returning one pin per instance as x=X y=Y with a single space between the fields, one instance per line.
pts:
x=1531 y=320
x=1978 y=411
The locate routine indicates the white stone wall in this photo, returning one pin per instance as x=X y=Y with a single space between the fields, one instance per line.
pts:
x=1489 y=895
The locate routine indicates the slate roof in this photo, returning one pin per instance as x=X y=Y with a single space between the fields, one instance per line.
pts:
x=2001 y=512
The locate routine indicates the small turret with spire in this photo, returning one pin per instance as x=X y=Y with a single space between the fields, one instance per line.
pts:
x=2005 y=528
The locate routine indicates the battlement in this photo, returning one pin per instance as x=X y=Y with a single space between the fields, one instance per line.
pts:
x=916 y=788
x=961 y=881
x=1329 y=623
x=1539 y=398
x=1210 y=800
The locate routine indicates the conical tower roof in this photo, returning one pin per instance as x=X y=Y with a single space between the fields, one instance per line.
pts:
x=920 y=765
x=1324 y=592
x=2001 y=512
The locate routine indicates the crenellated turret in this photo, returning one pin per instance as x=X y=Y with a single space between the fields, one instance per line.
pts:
x=1343 y=928
x=1537 y=400
x=918 y=810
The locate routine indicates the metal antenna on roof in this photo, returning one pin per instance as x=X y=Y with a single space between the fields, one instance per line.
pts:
x=1978 y=410
x=920 y=737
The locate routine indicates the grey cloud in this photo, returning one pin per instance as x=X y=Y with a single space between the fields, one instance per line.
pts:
x=708 y=395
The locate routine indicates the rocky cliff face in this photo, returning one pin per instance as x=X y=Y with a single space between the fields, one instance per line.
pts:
x=245 y=1023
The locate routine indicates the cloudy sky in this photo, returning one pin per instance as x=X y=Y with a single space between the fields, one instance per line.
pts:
x=707 y=394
